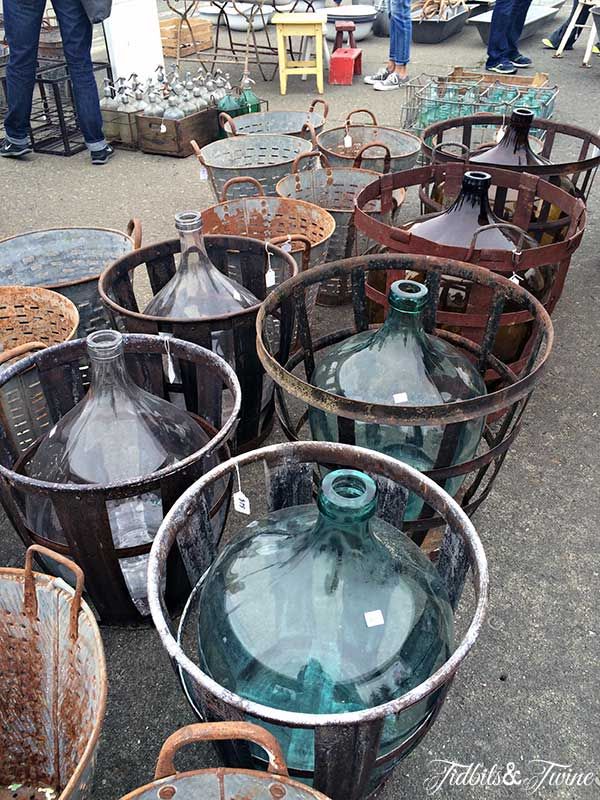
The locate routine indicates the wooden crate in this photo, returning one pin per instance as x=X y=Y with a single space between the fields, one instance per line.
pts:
x=120 y=128
x=201 y=28
x=172 y=137
x=537 y=80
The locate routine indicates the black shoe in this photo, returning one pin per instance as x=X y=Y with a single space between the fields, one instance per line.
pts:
x=102 y=156
x=10 y=150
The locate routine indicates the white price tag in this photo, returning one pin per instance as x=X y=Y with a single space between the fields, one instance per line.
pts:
x=514 y=278
x=500 y=133
x=400 y=397
x=163 y=128
x=171 y=374
x=203 y=173
x=241 y=503
x=287 y=247
x=270 y=278
x=347 y=141
x=374 y=618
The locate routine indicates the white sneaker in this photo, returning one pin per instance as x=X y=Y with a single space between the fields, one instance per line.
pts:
x=393 y=81
x=379 y=76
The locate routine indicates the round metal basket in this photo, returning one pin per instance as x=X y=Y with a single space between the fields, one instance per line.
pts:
x=292 y=123
x=500 y=410
x=52 y=682
x=188 y=375
x=265 y=157
x=574 y=152
x=69 y=261
x=335 y=190
x=242 y=258
x=404 y=147
x=348 y=764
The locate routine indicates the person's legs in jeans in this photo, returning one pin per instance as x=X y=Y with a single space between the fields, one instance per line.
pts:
x=515 y=29
x=400 y=35
x=76 y=33
x=557 y=35
x=508 y=19
x=22 y=22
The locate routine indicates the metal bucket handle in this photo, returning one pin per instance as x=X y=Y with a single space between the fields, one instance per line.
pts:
x=498 y=225
x=197 y=151
x=310 y=154
x=438 y=148
x=296 y=237
x=30 y=597
x=361 y=111
x=219 y=731
x=308 y=126
x=241 y=179
x=387 y=159
x=21 y=350
x=134 y=230
x=225 y=119
x=318 y=101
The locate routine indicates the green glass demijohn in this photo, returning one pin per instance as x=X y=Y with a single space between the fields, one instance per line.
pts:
x=400 y=364
x=325 y=609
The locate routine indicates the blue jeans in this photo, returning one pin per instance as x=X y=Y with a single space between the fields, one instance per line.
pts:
x=557 y=35
x=22 y=22
x=400 y=31
x=508 y=19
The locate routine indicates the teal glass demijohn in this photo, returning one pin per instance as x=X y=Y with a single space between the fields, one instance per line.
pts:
x=400 y=364
x=325 y=609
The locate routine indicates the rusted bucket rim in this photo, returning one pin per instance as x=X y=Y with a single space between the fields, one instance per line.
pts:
x=133 y=343
x=242 y=141
x=316 y=119
x=457 y=411
x=337 y=175
x=344 y=129
x=171 y=244
x=344 y=455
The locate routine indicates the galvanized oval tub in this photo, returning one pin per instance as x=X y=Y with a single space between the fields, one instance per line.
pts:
x=232 y=739
x=292 y=123
x=341 y=151
x=266 y=157
x=69 y=261
x=52 y=683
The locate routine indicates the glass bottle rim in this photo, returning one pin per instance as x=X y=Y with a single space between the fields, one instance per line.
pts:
x=188 y=221
x=348 y=492
x=105 y=345
x=522 y=116
x=408 y=296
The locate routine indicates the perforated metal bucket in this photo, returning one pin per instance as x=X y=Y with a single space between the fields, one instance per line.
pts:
x=292 y=123
x=69 y=261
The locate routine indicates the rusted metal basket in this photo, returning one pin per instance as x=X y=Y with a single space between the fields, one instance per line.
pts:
x=52 y=683
x=335 y=190
x=523 y=200
x=265 y=157
x=403 y=146
x=69 y=261
x=215 y=784
x=573 y=151
x=179 y=371
x=30 y=319
x=348 y=764
x=500 y=410
x=248 y=261
x=292 y=123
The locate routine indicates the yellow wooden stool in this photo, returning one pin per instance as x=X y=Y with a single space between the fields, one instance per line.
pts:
x=298 y=24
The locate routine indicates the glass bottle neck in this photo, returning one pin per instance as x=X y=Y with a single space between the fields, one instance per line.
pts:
x=346 y=503
x=409 y=323
x=516 y=137
x=107 y=360
x=192 y=243
x=471 y=200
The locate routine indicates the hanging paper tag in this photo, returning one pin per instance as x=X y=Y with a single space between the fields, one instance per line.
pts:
x=500 y=133
x=514 y=278
x=203 y=173
x=374 y=618
x=347 y=141
x=270 y=278
x=287 y=246
x=400 y=397
x=171 y=374
x=163 y=127
x=241 y=503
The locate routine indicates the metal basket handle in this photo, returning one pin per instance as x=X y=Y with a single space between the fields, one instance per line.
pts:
x=21 y=350
x=225 y=119
x=30 y=597
x=387 y=159
x=310 y=154
x=437 y=148
x=313 y=134
x=296 y=237
x=219 y=731
x=318 y=101
x=361 y=111
x=134 y=231
x=498 y=225
x=241 y=179
x=197 y=151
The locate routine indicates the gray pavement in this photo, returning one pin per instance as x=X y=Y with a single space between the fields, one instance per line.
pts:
x=530 y=688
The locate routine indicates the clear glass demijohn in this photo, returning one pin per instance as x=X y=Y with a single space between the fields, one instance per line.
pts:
x=325 y=609
x=400 y=364
x=117 y=432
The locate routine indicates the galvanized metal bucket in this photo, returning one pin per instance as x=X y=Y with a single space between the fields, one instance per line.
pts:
x=292 y=123
x=265 y=157
x=216 y=784
x=52 y=682
x=342 y=145
x=69 y=261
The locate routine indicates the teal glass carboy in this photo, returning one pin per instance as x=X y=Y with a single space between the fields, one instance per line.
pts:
x=400 y=364
x=326 y=609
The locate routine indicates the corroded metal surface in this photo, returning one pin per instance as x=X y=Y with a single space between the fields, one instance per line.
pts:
x=242 y=258
x=352 y=737
x=52 y=681
x=62 y=379
x=293 y=123
x=502 y=407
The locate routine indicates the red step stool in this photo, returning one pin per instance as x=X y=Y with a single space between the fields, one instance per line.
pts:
x=340 y=29
x=346 y=62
